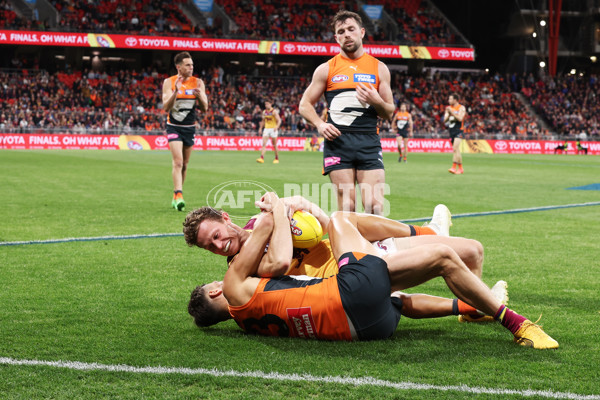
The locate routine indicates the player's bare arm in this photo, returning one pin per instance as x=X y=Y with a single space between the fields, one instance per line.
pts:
x=239 y=282
x=310 y=97
x=169 y=95
x=279 y=254
x=200 y=93
x=410 y=125
x=382 y=100
x=277 y=118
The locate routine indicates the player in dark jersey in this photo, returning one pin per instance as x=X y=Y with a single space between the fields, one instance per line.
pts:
x=181 y=94
x=355 y=304
x=402 y=124
x=357 y=89
x=454 y=118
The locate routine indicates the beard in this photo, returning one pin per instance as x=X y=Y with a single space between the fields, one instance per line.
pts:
x=351 y=47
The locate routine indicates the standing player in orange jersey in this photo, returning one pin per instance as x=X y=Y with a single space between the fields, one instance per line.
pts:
x=357 y=89
x=402 y=124
x=181 y=94
x=454 y=118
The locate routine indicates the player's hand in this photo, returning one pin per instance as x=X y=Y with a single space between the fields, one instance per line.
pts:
x=267 y=201
x=328 y=131
x=368 y=95
x=179 y=82
x=197 y=93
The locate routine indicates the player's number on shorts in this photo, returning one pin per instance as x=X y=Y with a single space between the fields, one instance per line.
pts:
x=345 y=108
x=270 y=325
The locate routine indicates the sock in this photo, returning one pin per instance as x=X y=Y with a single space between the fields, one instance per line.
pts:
x=509 y=319
x=176 y=192
x=459 y=307
x=262 y=156
x=454 y=165
x=459 y=166
x=277 y=157
x=421 y=230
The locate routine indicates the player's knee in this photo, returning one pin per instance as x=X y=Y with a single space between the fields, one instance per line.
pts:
x=446 y=259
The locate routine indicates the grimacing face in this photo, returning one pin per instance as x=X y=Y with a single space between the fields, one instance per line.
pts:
x=219 y=236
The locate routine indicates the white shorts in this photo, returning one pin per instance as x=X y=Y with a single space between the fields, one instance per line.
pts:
x=270 y=132
x=385 y=246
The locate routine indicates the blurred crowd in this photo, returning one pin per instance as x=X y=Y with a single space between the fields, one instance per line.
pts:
x=304 y=20
x=131 y=101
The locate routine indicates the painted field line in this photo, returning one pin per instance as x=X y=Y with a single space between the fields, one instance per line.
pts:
x=364 y=381
x=91 y=239
x=159 y=235
x=513 y=211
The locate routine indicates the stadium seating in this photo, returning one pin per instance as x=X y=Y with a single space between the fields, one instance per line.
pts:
x=130 y=101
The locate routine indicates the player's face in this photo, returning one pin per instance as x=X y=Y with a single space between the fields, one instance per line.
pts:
x=186 y=68
x=219 y=237
x=349 y=35
x=403 y=108
x=268 y=105
x=451 y=100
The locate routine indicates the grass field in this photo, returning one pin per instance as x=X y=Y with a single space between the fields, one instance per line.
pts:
x=107 y=317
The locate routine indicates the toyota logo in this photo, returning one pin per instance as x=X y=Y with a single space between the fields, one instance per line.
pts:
x=443 y=53
x=161 y=141
x=289 y=48
x=501 y=145
x=131 y=41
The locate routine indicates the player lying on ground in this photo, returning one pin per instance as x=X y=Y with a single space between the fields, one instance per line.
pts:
x=213 y=230
x=352 y=305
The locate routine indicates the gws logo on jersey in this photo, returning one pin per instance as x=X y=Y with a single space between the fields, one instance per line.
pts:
x=339 y=78
x=189 y=92
x=365 y=78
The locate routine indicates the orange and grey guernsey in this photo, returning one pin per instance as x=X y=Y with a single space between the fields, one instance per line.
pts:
x=295 y=306
x=345 y=111
x=183 y=112
x=402 y=118
x=454 y=125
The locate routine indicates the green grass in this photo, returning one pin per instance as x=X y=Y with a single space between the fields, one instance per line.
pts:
x=123 y=302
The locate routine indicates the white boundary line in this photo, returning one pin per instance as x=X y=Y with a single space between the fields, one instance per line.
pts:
x=364 y=381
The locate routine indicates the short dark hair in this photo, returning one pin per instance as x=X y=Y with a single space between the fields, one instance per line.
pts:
x=194 y=219
x=199 y=308
x=343 y=15
x=179 y=57
x=455 y=96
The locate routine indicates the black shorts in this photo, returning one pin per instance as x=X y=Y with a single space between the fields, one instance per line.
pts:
x=402 y=134
x=364 y=286
x=183 y=134
x=456 y=134
x=360 y=151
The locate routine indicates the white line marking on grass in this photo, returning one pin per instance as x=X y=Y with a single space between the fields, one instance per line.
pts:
x=160 y=235
x=365 y=381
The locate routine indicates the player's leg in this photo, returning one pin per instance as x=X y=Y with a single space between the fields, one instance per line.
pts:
x=343 y=181
x=405 y=153
x=186 y=153
x=371 y=183
x=345 y=236
x=177 y=156
x=274 y=141
x=457 y=155
x=412 y=267
x=263 y=149
x=470 y=251
x=399 y=142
